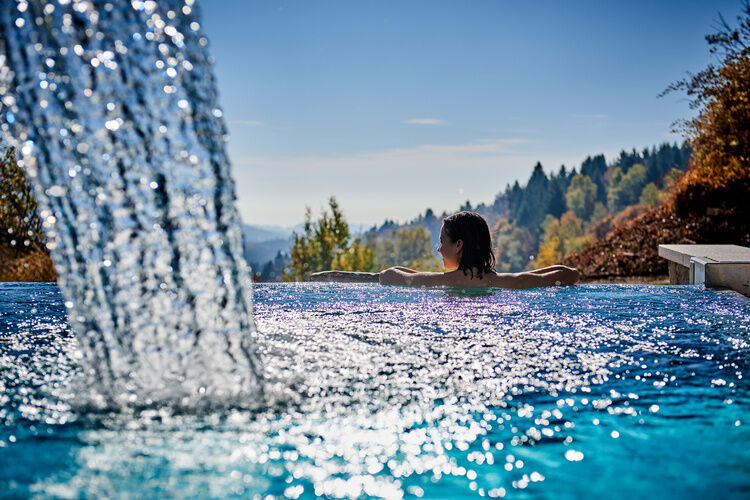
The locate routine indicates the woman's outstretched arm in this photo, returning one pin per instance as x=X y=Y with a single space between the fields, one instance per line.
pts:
x=358 y=277
x=345 y=277
x=408 y=277
x=553 y=276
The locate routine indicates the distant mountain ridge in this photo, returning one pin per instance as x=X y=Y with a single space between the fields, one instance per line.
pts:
x=264 y=245
x=257 y=234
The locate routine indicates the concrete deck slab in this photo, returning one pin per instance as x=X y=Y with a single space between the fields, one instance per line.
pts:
x=682 y=254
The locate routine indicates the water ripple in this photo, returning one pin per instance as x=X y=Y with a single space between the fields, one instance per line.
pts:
x=387 y=392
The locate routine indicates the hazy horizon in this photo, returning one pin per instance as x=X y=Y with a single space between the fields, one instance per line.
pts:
x=398 y=107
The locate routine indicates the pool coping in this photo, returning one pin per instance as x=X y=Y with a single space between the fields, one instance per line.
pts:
x=722 y=266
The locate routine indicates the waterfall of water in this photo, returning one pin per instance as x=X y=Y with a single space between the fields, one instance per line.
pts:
x=113 y=107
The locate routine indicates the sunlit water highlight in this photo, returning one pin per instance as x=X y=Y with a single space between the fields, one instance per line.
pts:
x=567 y=392
x=112 y=106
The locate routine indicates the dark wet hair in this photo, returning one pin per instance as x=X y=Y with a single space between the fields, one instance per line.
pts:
x=471 y=228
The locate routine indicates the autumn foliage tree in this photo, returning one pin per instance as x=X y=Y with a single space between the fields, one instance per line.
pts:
x=561 y=236
x=720 y=134
x=20 y=226
x=23 y=254
x=625 y=188
x=407 y=247
x=581 y=196
x=326 y=244
x=515 y=246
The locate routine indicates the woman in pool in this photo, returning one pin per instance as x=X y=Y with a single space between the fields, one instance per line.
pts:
x=466 y=249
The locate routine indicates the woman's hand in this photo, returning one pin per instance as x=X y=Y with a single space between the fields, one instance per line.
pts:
x=558 y=276
x=405 y=269
x=572 y=275
x=563 y=275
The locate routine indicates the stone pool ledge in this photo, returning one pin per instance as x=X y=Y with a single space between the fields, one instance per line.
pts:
x=723 y=266
x=651 y=279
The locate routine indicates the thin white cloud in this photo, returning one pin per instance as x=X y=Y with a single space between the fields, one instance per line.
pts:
x=396 y=183
x=247 y=122
x=594 y=116
x=437 y=159
x=425 y=121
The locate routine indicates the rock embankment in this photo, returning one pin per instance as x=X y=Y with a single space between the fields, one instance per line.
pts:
x=32 y=265
x=632 y=249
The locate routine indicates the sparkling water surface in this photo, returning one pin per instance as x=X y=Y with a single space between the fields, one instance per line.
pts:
x=616 y=391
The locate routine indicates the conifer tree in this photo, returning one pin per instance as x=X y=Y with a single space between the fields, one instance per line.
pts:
x=325 y=245
x=595 y=167
x=535 y=200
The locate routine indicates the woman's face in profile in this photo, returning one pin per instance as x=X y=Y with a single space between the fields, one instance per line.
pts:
x=450 y=250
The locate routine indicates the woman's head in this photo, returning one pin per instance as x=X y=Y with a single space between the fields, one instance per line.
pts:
x=465 y=243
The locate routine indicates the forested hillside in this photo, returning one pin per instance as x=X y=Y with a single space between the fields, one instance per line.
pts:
x=551 y=215
x=710 y=203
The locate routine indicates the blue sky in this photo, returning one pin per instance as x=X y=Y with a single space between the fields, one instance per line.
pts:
x=397 y=106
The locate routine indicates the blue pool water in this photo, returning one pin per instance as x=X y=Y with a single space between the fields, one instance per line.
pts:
x=615 y=391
